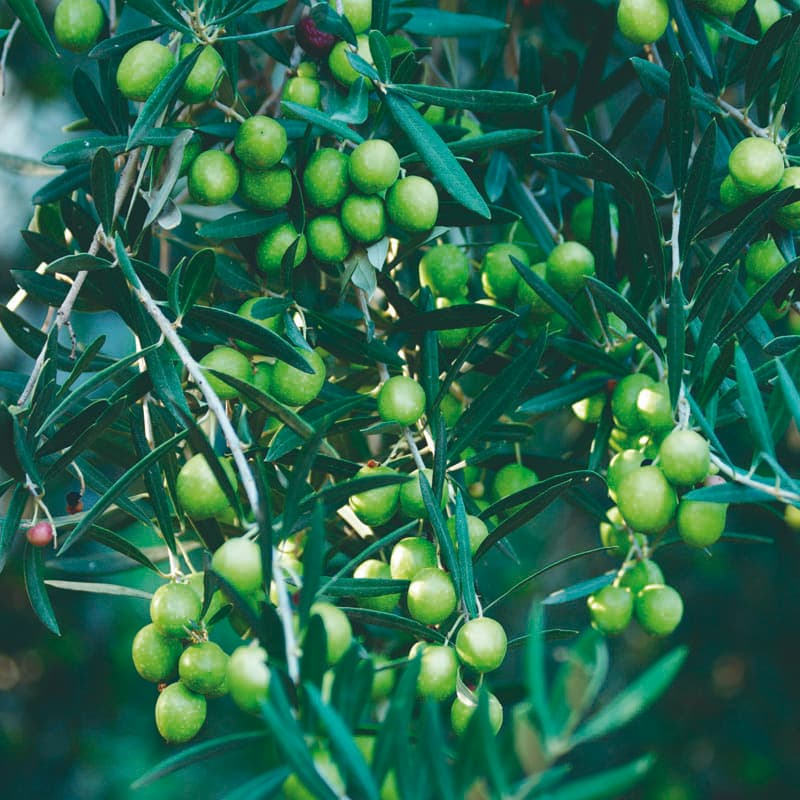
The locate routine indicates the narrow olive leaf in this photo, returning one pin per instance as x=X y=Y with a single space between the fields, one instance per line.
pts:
x=623 y=308
x=676 y=339
x=604 y=785
x=715 y=313
x=72 y=430
x=31 y=19
x=101 y=179
x=431 y=737
x=482 y=143
x=436 y=154
x=499 y=397
x=162 y=96
x=789 y=389
x=790 y=71
x=758 y=74
x=634 y=699
x=536 y=674
x=695 y=41
x=435 y=23
x=122 y=546
x=83 y=150
x=578 y=590
x=695 y=192
x=34 y=585
x=468 y=596
x=781 y=345
x=345 y=750
x=551 y=297
x=337 y=494
x=601 y=234
x=198 y=752
x=655 y=81
x=474 y=99
x=385 y=619
x=120 y=44
x=649 y=231
x=678 y=122
x=470 y=315
x=67 y=265
x=747 y=230
x=115 y=491
x=342 y=339
x=197 y=276
x=750 y=396
x=563 y=395
x=261 y=787
x=100 y=588
x=268 y=342
x=734 y=493
x=362 y=587
x=12 y=520
x=446 y=544
x=24 y=450
x=322 y=120
x=757 y=301
x=62 y=185
x=381 y=55
x=241 y=224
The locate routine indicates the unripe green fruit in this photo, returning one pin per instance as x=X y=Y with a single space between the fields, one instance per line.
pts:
x=481 y=644
x=376 y=506
x=357 y=12
x=791 y=516
x=611 y=609
x=499 y=276
x=230 y=362
x=590 y=409
x=756 y=165
x=730 y=195
x=413 y=204
x=624 y=400
x=326 y=179
x=142 y=68
x=77 y=24
x=327 y=239
x=402 y=400
x=203 y=667
x=659 y=609
x=295 y=789
x=198 y=490
x=700 y=524
x=154 y=655
x=180 y=713
x=248 y=677
x=374 y=166
x=260 y=142
x=445 y=270
x=452 y=337
x=789 y=215
x=461 y=713
x=513 y=478
x=339 y=64
x=410 y=556
x=654 y=407
x=724 y=8
x=297 y=388
x=646 y=500
x=303 y=91
x=643 y=573
x=374 y=569
x=254 y=309
x=238 y=561
x=213 y=178
x=642 y=21
x=451 y=409
x=268 y=189
x=684 y=457
x=582 y=218
x=568 y=266
x=274 y=246
x=613 y=533
x=763 y=260
x=202 y=80
x=411 y=503
x=538 y=308
x=173 y=607
x=431 y=597
x=338 y=632
x=364 y=217
x=383 y=680
x=438 y=670
x=476 y=530
x=768 y=13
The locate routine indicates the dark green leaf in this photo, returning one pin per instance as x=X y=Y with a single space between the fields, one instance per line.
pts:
x=750 y=396
x=78 y=263
x=264 y=786
x=121 y=43
x=608 y=785
x=789 y=389
x=12 y=520
x=37 y=592
x=578 y=590
x=470 y=315
x=649 y=232
x=83 y=150
x=69 y=180
x=655 y=81
x=733 y=493
x=563 y=395
x=447 y=548
x=790 y=70
x=322 y=120
x=482 y=142
x=432 y=22
x=468 y=597
x=102 y=184
x=385 y=619
x=31 y=19
x=381 y=55
x=161 y=11
x=536 y=672
x=435 y=154
x=695 y=193
x=679 y=123
x=473 y=99
x=196 y=279
x=241 y=224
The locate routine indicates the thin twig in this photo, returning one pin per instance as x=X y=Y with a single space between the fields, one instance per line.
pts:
x=742 y=118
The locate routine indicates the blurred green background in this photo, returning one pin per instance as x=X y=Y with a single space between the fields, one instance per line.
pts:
x=76 y=722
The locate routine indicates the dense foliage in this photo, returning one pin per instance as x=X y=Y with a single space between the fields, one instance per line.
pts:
x=396 y=284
